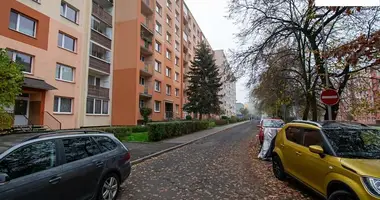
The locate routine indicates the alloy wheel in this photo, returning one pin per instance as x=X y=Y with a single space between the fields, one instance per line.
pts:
x=109 y=189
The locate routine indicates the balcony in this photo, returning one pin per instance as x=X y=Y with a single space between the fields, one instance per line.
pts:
x=146 y=47
x=145 y=92
x=101 y=14
x=186 y=18
x=185 y=46
x=98 y=91
x=99 y=65
x=147 y=27
x=104 y=3
x=101 y=39
x=185 y=58
x=146 y=69
x=147 y=7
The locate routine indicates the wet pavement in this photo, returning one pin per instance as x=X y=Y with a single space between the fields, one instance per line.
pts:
x=221 y=166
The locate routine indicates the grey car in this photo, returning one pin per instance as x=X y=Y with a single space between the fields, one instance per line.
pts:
x=64 y=166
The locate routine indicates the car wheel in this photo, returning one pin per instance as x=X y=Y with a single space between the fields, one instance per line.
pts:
x=109 y=187
x=278 y=169
x=342 y=195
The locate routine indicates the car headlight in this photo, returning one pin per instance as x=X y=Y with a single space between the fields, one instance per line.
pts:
x=372 y=185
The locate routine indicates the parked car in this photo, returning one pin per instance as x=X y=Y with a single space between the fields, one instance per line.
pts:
x=268 y=123
x=64 y=166
x=337 y=160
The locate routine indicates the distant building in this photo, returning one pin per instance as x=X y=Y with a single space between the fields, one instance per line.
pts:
x=238 y=107
x=229 y=84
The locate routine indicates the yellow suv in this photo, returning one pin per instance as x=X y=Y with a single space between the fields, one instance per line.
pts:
x=338 y=160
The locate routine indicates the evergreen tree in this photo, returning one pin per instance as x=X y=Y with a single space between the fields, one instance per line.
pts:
x=204 y=83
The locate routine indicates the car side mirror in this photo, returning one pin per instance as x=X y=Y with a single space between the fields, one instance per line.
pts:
x=316 y=149
x=4 y=179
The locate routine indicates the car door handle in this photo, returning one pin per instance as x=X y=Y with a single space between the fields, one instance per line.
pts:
x=55 y=180
x=298 y=153
x=98 y=163
x=282 y=145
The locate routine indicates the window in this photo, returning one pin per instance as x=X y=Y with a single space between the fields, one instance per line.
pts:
x=92 y=80
x=158 y=9
x=62 y=105
x=157 y=47
x=168 y=72
x=176 y=30
x=312 y=137
x=158 y=27
x=157 y=106
x=176 y=15
x=168 y=90
x=295 y=135
x=194 y=38
x=69 y=12
x=168 y=37
x=29 y=159
x=64 y=73
x=66 y=42
x=169 y=4
x=176 y=61
x=177 y=108
x=22 y=24
x=141 y=104
x=142 y=80
x=100 y=52
x=168 y=20
x=168 y=54
x=157 y=66
x=157 y=86
x=105 y=143
x=101 y=27
x=37 y=1
x=176 y=45
x=97 y=106
x=176 y=92
x=26 y=61
x=176 y=76
x=185 y=36
x=79 y=148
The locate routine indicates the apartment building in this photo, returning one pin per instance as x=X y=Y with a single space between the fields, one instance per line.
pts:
x=228 y=91
x=154 y=42
x=61 y=45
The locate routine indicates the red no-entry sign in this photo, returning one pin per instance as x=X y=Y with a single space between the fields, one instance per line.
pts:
x=329 y=97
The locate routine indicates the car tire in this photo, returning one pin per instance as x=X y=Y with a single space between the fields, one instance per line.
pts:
x=109 y=187
x=278 y=168
x=342 y=194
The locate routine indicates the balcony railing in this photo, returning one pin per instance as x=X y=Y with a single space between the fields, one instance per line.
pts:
x=101 y=39
x=146 y=47
x=146 y=92
x=147 y=69
x=169 y=115
x=98 y=91
x=105 y=3
x=148 y=25
x=147 y=7
x=98 y=12
x=99 y=65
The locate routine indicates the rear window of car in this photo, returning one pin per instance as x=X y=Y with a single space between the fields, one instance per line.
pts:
x=273 y=123
x=105 y=143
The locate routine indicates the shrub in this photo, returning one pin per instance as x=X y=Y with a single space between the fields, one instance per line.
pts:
x=145 y=112
x=188 y=117
x=139 y=129
x=164 y=130
x=211 y=124
x=119 y=132
x=221 y=122
x=224 y=117
x=233 y=119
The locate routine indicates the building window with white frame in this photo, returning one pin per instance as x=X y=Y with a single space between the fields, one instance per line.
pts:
x=169 y=20
x=176 y=61
x=157 y=86
x=25 y=60
x=69 y=12
x=157 y=106
x=185 y=36
x=100 y=52
x=177 y=109
x=176 y=15
x=176 y=76
x=169 y=4
x=22 y=23
x=176 y=45
x=168 y=72
x=158 y=9
x=168 y=37
x=101 y=27
x=93 y=80
x=96 y=106
x=142 y=80
x=176 y=30
x=168 y=90
x=168 y=54
x=63 y=105
x=64 y=73
x=176 y=92
x=157 y=46
x=67 y=42
x=158 y=28
x=157 y=66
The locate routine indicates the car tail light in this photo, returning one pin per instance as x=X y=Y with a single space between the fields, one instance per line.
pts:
x=127 y=156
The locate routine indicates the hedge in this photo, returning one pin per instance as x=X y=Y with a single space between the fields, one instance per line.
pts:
x=119 y=132
x=220 y=122
x=165 y=130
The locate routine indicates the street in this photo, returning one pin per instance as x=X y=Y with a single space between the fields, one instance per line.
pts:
x=221 y=166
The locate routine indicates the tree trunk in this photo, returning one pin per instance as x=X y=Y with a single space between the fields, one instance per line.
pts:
x=200 y=116
x=314 y=108
x=306 y=110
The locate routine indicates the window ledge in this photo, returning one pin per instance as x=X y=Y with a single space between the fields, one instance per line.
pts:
x=76 y=23
x=62 y=113
x=67 y=50
x=61 y=80
x=33 y=37
x=100 y=115
x=157 y=111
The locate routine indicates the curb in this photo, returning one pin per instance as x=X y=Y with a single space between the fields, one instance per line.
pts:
x=140 y=160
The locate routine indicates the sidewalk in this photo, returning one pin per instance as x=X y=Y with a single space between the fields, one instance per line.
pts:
x=141 y=150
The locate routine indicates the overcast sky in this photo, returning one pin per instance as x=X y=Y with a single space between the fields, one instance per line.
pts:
x=219 y=31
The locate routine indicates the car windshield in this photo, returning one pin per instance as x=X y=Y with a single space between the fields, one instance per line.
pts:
x=355 y=143
x=273 y=123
